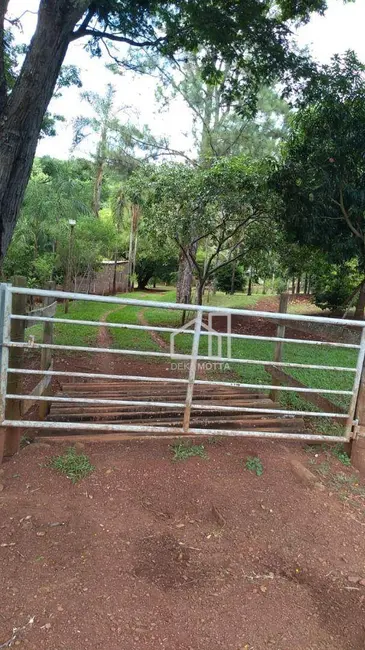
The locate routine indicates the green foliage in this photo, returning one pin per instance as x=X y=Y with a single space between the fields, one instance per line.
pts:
x=341 y=455
x=219 y=129
x=74 y=466
x=322 y=178
x=254 y=464
x=230 y=279
x=224 y=207
x=58 y=191
x=156 y=259
x=254 y=37
x=333 y=286
x=184 y=450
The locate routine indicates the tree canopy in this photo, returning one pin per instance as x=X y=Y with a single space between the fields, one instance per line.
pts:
x=254 y=37
x=322 y=176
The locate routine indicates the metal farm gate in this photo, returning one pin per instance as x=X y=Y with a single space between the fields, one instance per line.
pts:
x=164 y=406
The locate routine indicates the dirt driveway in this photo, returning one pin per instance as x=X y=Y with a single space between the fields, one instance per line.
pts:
x=150 y=554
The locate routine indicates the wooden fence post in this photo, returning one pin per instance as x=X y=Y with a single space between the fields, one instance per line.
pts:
x=13 y=407
x=280 y=333
x=46 y=354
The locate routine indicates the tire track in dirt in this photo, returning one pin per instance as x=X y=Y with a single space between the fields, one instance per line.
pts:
x=164 y=346
x=154 y=335
x=105 y=340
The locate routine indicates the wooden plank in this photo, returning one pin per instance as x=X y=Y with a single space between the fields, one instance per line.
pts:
x=314 y=398
x=40 y=389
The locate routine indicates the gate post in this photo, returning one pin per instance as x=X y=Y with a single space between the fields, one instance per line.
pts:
x=5 y=298
x=278 y=354
x=192 y=370
x=13 y=407
x=356 y=447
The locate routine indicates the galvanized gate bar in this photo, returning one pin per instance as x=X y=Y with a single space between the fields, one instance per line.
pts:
x=62 y=295
x=170 y=330
x=181 y=357
x=176 y=380
x=170 y=431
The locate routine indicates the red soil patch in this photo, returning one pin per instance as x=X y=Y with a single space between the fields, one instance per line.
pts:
x=201 y=555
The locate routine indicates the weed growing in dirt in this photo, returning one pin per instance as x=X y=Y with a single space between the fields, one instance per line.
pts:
x=215 y=440
x=74 y=466
x=25 y=440
x=341 y=455
x=254 y=464
x=185 y=450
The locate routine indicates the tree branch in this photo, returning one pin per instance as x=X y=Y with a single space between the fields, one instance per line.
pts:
x=96 y=33
x=230 y=261
x=341 y=204
x=89 y=14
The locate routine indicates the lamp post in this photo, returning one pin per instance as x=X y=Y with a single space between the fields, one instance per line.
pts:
x=72 y=224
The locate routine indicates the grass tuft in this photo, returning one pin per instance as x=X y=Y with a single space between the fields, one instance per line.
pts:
x=74 y=466
x=339 y=452
x=185 y=450
x=254 y=464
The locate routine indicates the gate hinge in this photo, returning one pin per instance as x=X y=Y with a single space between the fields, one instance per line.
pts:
x=355 y=429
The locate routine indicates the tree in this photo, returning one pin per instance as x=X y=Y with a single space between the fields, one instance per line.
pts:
x=322 y=178
x=335 y=285
x=119 y=143
x=253 y=36
x=57 y=191
x=222 y=127
x=230 y=278
x=223 y=205
x=102 y=124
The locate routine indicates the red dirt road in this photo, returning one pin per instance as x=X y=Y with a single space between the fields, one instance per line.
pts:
x=149 y=554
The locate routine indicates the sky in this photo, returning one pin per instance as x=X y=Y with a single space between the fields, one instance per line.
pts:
x=342 y=28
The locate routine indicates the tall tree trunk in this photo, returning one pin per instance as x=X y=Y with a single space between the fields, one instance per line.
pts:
x=99 y=170
x=309 y=285
x=298 y=283
x=114 y=286
x=135 y=214
x=360 y=305
x=185 y=277
x=233 y=278
x=21 y=118
x=293 y=285
x=306 y=283
x=97 y=188
x=249 y=288
x=184 y=280
x=199 y=292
